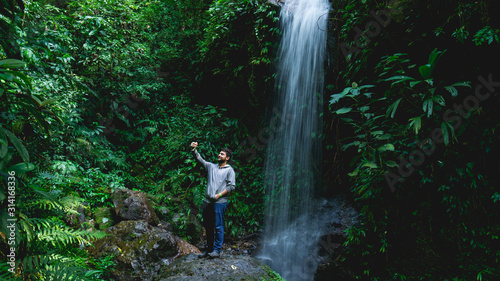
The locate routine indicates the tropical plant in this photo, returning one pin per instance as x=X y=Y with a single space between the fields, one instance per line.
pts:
x=11 y=12
x=402 y=129
x=42 y=243
x=237 y=54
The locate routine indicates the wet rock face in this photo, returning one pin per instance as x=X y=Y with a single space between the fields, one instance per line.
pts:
x=140 y=250
x=331 y=243
x=226 y=267
x=133 y=205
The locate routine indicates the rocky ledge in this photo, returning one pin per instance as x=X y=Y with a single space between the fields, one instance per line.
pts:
x=144 y=248
x=225 y=267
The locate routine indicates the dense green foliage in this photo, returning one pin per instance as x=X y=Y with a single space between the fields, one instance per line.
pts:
x=100 y=95
x=421 y=130
x=102 y=99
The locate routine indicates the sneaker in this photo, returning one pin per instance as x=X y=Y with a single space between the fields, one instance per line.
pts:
x=214 y=254
x=203 y=255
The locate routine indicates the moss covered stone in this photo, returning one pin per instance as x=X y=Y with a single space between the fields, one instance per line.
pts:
x=104 y=217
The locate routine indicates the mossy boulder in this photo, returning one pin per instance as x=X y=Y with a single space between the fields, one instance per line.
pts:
x=133 y=205
x=140 y=249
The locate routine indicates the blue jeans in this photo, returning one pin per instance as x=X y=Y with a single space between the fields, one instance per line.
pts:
x=213 y=221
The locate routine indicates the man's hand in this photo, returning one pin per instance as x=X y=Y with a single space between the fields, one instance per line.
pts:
x=194 y=145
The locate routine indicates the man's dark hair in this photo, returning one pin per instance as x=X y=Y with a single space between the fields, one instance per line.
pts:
x=227 y=151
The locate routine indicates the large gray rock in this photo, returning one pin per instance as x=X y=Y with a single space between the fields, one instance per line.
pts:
x=133 y=205
x=140 y=250
x=224 y=268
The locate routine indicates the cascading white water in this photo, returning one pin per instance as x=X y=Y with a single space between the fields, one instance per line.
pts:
x=293 y=161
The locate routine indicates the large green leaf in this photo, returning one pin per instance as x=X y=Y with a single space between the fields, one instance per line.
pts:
x=447 y=128
x=11 y=63
x=446 y=135
x=425 y=70
x=336 y=97
x=453 y=91
x=416 y=123
x=370 y=165
x=22 y=79
x=399 y=79
x=439 y=99
x=427 y=106
x=29 y=106
x=414 y=83
x=47 y=101
x=3 y=218
x=391 y=164
x=4 y=161
x=3 y=144
x=391 y=110
x=384 y=136
x=434 y=57
x=18 y=145
x=386 y=147
x=22 y=168
x=6 y=76
x=343 y=110
x=462 y=84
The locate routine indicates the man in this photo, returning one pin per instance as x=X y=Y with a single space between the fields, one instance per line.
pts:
x=221 y=181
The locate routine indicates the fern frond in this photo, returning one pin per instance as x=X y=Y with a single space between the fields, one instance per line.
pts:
x=27 y=226
x=57 y=235
x=46 y=204
x=51 y=267
x=31 y=225
x=68 y=204
x=71 y=204
x=60 y=271
x=5 y=274
x=23 y=176
x=50 y=201
x=45 y=174
x=62 y=236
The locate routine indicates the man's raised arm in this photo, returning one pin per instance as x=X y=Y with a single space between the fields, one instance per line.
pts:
x=197 y=155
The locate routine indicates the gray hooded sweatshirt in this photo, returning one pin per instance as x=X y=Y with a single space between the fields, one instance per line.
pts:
x=219 y=178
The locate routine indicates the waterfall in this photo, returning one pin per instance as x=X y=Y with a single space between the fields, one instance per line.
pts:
x=293 y=160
